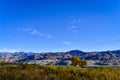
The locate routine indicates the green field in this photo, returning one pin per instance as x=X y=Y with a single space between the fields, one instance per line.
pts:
x=36 y=72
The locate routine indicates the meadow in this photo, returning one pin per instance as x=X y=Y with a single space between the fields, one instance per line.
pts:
x=36 y=72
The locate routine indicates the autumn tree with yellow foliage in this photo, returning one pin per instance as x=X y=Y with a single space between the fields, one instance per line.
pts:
x=76 y=61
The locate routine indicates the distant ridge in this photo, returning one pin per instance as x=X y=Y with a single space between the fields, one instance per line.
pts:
x=104 y=56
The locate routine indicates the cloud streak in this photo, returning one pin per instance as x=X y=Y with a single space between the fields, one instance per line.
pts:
x=66 y=42
x=35 y=32
x=75 y=21
x=75 y=25
x=8 y=50
x=73 y=28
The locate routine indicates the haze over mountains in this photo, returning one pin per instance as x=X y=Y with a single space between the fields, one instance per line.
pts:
x=44 y=58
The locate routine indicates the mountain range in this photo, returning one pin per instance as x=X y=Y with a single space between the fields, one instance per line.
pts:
x=97 y=57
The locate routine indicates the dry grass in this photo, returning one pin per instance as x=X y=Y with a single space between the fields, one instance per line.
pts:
x=35 y=72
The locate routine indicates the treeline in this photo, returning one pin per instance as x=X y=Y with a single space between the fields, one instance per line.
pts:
x=24 y=71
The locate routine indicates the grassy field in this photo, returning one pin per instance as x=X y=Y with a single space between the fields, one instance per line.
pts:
x=35 y=72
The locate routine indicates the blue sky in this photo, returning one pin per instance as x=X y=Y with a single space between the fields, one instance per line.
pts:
x=59 y=25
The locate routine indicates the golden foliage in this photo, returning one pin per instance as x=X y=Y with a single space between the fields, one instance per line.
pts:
x=77 y=61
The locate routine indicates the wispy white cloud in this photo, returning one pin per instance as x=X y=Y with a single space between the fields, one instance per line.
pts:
x=76 y=21
x=36 y=32
x=73 y=28
x=8 y=50
x=75 y=25
x=66 y=42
